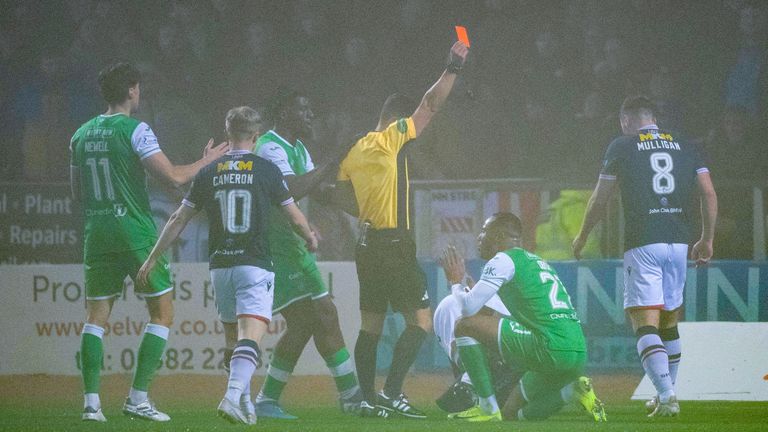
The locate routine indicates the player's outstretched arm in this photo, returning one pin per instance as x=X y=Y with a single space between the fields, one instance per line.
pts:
x=301 y=225
x=434 y=98
x=160 y=167
x=702 y=251
x=598 y=202
x=342 y=195
x=303 y=185
x=171 y=232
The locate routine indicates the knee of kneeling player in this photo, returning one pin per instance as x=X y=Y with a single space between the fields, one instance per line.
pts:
x=425 y=324
x=464 y=327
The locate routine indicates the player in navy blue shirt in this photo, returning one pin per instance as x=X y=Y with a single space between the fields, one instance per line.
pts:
x=660 y=176
x=237 y=192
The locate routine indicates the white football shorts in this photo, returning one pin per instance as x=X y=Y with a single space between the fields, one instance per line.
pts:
x=446 y=315
x=243 y=291
x=654 y=276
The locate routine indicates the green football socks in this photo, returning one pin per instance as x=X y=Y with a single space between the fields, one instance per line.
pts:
x=475 y=361
x=149 y=357
x=343 y=372
x=91 y=357
x=279 y=372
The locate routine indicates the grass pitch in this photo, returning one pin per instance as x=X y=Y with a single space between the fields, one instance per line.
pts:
x=46 y=403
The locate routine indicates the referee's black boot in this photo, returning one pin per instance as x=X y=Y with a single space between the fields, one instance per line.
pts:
x=399 y=405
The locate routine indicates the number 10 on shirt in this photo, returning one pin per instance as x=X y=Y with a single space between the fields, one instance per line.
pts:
x=235 y=208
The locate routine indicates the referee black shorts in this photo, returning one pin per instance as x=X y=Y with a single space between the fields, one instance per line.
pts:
x=389 y=273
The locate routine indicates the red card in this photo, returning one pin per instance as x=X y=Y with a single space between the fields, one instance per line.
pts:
x=461 y=33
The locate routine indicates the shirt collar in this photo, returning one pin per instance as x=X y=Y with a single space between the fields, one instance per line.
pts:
x=649 y=127
x=298 y=141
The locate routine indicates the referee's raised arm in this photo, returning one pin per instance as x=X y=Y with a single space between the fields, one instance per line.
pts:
x=437 y=94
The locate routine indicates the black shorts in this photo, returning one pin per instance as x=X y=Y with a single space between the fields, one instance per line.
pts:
x=389 y=273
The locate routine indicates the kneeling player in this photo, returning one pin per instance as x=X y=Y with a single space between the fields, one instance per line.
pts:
x=237 y=191
x=461 y=394
x=542 y=339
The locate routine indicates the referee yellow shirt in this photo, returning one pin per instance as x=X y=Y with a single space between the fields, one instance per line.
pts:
x=378 y=170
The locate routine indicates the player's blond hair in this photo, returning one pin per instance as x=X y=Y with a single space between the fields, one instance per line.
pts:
x=242 y=123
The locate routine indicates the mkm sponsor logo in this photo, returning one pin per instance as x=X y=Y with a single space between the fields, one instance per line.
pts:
x=234 y=166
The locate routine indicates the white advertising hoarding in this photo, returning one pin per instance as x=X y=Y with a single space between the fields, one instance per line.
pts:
x=43 y=310
x=720 y=361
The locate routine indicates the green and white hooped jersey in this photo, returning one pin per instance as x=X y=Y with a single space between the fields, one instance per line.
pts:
x=534 y=294
x=292 y=160
x=108 y=151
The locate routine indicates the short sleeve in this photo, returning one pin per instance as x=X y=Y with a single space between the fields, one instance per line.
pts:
x=611 y=161
x=144 y=141
x=499 y=270
x=700 y=163
x=274 y=153
x=195 y=197
x=397 y=134
x=309 y=166
x=278 y=189
x=74 y=160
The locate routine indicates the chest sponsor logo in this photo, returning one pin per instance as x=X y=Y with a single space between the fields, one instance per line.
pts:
x=672 y=210
x=653 y=136
x=234 y=166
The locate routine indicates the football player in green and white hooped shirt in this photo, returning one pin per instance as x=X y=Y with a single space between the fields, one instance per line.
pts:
x=542 y=339
x=300 y=292
x=109 y=154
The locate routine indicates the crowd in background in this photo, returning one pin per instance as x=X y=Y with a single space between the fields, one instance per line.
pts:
x=539 y=97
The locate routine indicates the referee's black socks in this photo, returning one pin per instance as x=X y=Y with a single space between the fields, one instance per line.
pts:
x=406 y=350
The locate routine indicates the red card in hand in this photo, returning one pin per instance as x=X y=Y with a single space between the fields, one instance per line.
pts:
x=461 y=33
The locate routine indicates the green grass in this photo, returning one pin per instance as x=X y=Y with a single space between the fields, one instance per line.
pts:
x=696 y=416
x=53 y=403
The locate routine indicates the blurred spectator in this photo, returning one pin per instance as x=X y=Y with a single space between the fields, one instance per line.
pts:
x=259 y=69
x=737 y=161
x=662 y=90
x=11 y=165
x=593 y=128
x=79 y=10
x=735 y=148
x=549 y=76
x=749 y=71
x=45 y=122
x=611 y=75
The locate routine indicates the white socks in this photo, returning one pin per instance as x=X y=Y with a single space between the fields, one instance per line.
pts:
x=655 y=360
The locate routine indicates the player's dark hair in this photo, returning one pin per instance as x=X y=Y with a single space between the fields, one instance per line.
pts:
x=638 y=106
x=280 y=102
x=115 y=80
x=509 y=222
x=397 y=106
x=242 y=123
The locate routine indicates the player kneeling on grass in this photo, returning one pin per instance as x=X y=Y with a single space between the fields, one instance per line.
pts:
x=237 y=191
x=542 y=339
x=461 y=395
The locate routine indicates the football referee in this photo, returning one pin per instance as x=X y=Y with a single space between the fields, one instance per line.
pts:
x=377 y=170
